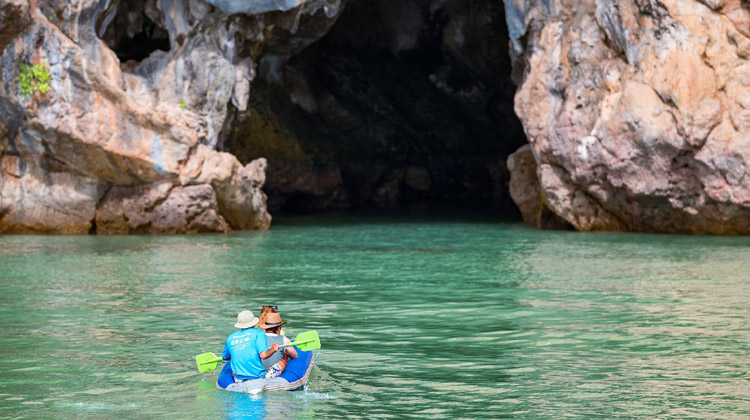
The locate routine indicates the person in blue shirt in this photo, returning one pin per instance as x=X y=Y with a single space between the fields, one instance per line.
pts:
x=245 y=348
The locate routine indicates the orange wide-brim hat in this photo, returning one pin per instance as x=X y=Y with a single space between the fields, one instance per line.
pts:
x=272 y=320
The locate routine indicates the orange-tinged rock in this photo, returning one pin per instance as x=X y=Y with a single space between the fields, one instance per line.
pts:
x=668 y=91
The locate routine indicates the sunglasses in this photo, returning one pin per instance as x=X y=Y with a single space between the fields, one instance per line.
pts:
x=275 y=307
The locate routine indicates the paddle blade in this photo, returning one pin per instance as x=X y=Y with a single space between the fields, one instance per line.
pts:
x=207 y=361
x=307 y=341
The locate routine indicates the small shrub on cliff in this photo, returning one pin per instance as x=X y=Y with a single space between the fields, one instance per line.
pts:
x=182 y=104
x=34 y=78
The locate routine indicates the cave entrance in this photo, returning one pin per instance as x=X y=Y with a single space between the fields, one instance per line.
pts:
x=403 y=104
x=131 y=31
x=149 y=39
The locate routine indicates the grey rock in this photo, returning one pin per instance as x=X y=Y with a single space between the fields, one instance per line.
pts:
x=14 y=17
x=126 y=136
x=528 y=194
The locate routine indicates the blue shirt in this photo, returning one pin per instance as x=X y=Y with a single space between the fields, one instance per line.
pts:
x=244 y=347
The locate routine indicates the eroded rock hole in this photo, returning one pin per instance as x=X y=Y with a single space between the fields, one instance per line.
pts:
x=130 y=29
x=140 y=46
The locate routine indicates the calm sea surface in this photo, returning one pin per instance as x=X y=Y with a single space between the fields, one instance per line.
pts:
x=422 y=319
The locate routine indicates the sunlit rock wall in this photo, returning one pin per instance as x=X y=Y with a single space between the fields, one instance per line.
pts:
x=130 y=147
x=637 y=112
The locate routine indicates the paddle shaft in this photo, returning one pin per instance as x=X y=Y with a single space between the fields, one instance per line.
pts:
x=209 y=361
x=283 y=346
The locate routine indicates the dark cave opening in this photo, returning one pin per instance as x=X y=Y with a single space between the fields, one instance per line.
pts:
x=145 y=42
x=400 y=106
x=131 y=31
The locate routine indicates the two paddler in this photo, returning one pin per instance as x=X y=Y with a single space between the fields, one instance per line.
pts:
x=248 y=348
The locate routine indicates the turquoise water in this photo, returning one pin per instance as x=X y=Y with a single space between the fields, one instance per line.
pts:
x=425 y=319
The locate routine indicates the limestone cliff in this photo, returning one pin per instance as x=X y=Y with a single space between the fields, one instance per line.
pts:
x=137 y=116
x=130 y=145
x=637 y=113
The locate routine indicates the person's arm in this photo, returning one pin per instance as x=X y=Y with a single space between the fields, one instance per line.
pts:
x=290 y=351
x=268 y=353
x=226 y=355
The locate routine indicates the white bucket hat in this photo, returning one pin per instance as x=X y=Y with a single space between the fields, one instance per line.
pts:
x=246 y=320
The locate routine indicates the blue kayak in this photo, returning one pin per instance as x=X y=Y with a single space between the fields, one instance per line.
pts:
x=294 y=376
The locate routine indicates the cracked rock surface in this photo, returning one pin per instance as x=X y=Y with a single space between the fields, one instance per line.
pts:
x=636 y=112
x=128 y=146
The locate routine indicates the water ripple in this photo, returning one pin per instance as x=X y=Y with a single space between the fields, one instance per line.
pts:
x=422 y=320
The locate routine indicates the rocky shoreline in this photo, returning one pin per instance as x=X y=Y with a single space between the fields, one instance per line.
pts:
x=138 y=117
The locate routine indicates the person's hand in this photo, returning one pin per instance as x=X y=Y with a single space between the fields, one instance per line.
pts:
x=275 y=347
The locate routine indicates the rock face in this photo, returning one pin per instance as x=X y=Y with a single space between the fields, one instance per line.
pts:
x=637 y=112
x=120 y=146
x=528 y=194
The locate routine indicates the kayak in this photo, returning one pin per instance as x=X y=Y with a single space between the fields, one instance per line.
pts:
x=294 y=376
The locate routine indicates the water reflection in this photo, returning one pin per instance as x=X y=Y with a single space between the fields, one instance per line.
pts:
x=273 y=405
x=244 y=406
x=620 y=316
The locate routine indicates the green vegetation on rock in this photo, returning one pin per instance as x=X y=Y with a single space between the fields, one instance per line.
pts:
x=33 y=78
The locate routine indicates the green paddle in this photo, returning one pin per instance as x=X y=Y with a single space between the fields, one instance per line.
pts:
x=207 y=361
x=305 y=341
